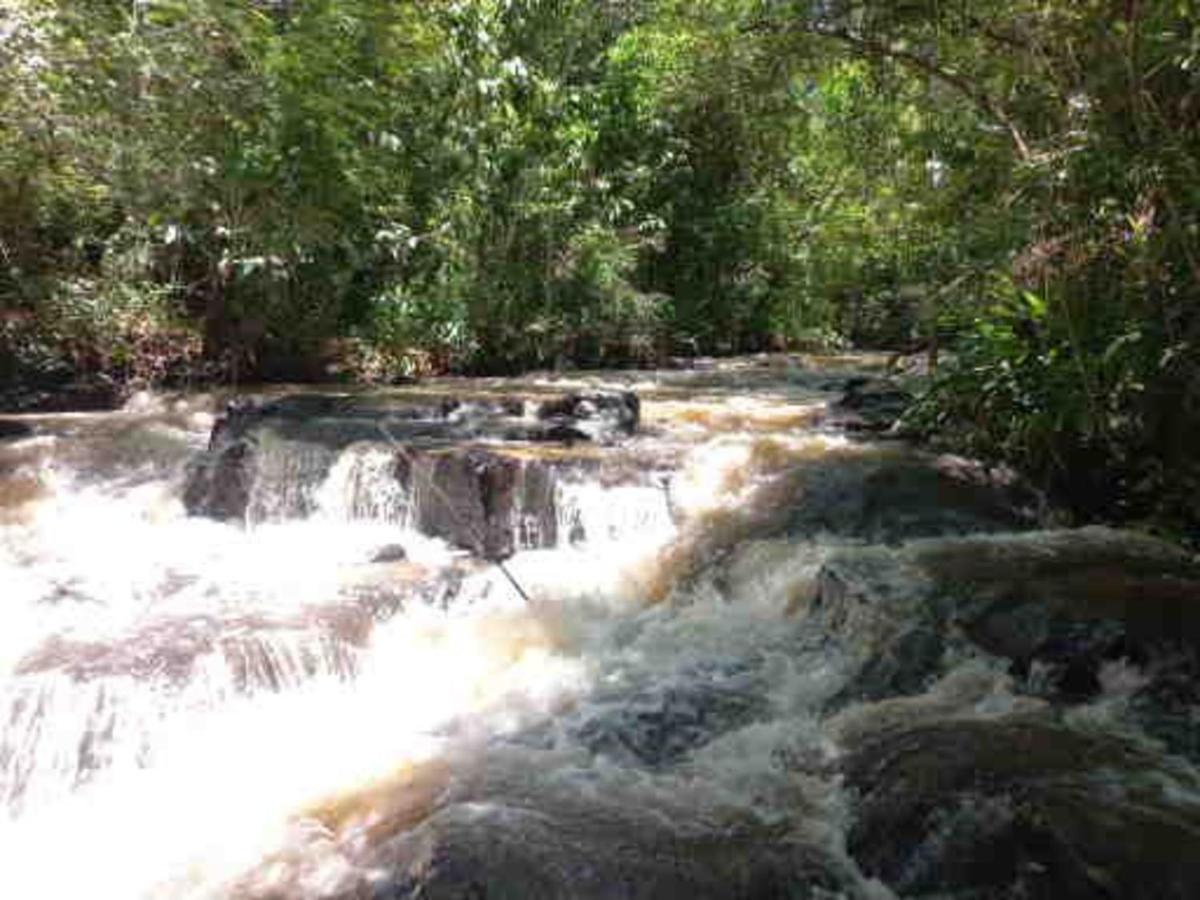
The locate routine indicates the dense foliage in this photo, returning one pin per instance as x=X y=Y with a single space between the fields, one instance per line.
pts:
x=289 y=188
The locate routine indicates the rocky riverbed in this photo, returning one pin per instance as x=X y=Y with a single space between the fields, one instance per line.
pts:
x=744 y=643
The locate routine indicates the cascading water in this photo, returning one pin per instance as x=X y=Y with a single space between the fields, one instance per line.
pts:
x=716 y=680
x=363 y=486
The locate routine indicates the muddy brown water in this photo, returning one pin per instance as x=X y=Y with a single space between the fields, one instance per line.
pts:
x=743 y=669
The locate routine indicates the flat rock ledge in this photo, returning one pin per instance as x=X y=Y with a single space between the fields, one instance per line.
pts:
x=451 y=472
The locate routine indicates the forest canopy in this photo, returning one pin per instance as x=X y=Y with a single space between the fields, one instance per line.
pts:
x=380 y=188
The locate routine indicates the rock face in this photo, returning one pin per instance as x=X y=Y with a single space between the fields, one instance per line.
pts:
x=894 y=494
x=265 y=460
x=487 y=502
x=97 y=395
x=871 y=404
x=513 y=833
x=1022 y=807
x=1013 y=794
x=1056 y=605
x=10 y=430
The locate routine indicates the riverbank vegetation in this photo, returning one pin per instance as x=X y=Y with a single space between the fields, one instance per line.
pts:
x=299 y=188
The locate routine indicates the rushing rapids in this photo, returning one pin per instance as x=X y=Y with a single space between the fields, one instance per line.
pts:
x=760 y=653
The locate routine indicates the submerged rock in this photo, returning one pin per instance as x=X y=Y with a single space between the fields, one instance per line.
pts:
x=1022 y=807
x=661 y=725
x=1060 y=606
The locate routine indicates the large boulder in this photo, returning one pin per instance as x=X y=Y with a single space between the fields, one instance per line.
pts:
x=878 y=494
x=534 y=826
x=871 y=404
x=514 y=852
x=1035 y=782
x=487 y=502
x=1063 y=608
x=449 y=469
x=1022 y=806
x=893 y=494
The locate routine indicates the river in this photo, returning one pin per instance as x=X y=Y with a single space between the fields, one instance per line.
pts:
x=670 y=686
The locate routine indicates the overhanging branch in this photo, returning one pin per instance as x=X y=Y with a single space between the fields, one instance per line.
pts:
x=875 y=47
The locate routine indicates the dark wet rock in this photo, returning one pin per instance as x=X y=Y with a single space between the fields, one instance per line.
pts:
x=871 y=404
x=1063 y=610
x=265 y=459
x=389 y=554
x=1008 y=592
x=1022 y=807
x=892 y=495
x=518 y=832
x=256 y=474
x=97 y=395
x=1168 y=706
x=491 y=852
x=883 y=495
x=489 y=503
x=659 y=726
x=874 y=606
x=1059 y=606
x=336 y=421
x=906 y=665
x=598 y=416
x=219 y=482
x=10 y=430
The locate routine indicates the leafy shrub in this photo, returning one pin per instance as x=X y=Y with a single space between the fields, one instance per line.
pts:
x=127 y=330
x=1077 y=402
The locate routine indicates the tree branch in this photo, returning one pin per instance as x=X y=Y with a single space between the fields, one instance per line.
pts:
x=868 y=46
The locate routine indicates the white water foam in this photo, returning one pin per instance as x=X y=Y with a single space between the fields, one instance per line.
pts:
x=267 y=701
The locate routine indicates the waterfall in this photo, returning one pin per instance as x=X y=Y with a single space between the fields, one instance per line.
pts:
x=364 y=483
x=286 y=481
x=591 y=513
x=738 y=672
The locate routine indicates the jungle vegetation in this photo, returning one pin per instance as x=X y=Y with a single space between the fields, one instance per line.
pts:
x=236 y=189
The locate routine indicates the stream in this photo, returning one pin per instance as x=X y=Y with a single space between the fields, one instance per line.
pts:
x=699 y=633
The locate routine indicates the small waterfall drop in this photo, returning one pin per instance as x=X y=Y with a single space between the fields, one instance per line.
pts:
x=364 y=483
x=593 y=513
